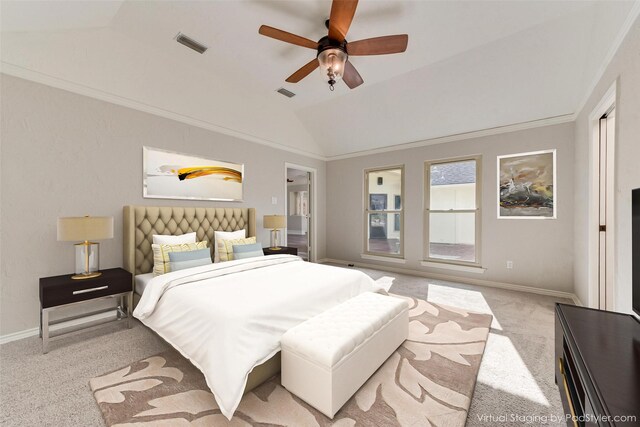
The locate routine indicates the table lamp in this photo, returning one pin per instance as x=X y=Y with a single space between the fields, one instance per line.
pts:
x=275 y=223
x=86 y=229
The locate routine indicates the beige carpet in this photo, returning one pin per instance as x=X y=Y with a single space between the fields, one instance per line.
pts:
x=429 y=380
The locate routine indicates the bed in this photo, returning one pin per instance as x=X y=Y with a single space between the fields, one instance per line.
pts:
x=227 y=318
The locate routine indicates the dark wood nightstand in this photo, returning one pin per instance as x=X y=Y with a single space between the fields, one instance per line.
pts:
x=288 y=250
x=63 y=291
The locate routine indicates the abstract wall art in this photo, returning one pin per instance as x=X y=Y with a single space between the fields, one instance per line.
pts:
x=527 y=185
x=171 y=175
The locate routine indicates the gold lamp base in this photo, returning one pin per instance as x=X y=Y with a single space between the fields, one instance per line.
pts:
x=86 y=276
x=275 y=248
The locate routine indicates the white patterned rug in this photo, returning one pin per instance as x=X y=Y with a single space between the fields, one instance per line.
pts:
x=429 y=380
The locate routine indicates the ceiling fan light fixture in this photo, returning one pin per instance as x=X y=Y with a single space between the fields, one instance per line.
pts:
x=332 y=62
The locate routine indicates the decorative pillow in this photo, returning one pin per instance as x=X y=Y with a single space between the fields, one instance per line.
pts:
x=225 y=235
x=161 y=254
x=247 y=251
x=165 y=239
x=188 y=259
x=225 y=247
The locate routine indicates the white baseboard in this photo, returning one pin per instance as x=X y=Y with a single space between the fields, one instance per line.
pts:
x=449 y=278
x=36 y=331
x=576 y=300
x=19 y=335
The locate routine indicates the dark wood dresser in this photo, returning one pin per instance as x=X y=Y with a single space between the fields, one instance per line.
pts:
x=598 y=366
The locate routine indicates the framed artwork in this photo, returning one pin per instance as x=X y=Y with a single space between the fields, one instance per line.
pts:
x=527 y=185
x=171 y=175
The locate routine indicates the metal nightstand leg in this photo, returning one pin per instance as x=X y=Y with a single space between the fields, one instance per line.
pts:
x=129 y=305
x=45 y=330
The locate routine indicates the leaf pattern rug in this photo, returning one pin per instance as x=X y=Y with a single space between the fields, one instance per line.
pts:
x=428 y=381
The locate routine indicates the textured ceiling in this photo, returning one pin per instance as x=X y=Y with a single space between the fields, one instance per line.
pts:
x=470 y=65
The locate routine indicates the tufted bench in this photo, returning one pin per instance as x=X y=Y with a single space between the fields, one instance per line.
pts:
x=326 y=359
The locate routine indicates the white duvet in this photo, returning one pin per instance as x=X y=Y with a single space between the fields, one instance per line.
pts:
x=229 y=317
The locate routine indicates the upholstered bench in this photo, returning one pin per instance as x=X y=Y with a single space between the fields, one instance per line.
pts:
x=326 y=359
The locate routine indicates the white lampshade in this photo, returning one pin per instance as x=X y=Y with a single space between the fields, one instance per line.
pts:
x=85 y=228
x=275 y=221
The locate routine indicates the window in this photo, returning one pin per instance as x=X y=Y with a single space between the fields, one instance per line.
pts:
x=383 y=213
x=452 y=211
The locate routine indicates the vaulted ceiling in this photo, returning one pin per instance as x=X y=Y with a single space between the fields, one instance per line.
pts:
x=470 y=65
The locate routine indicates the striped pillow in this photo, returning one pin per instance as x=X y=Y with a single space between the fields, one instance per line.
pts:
x=188 y=259
x=225 y=247
x=161 y=254
x=247 y=251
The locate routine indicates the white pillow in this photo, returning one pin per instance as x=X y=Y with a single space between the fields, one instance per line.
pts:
x=226 y=235
x=163 y=239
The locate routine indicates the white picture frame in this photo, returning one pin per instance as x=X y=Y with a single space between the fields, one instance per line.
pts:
x=523 y=181
x=172 y=175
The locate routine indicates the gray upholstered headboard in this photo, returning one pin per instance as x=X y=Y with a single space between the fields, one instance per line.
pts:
x=142 y=222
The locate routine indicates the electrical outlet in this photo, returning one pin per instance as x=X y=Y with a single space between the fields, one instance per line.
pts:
x=509 y=265
x=274 y=200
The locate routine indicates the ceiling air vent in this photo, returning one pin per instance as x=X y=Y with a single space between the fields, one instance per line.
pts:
x=191 y=43
x=287 y=93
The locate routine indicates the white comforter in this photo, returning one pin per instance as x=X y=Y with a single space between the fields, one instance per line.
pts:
x=228 y=318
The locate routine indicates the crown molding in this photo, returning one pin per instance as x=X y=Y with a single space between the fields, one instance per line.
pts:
x=622 y=34
x=38 y=77
x=549 y=121
x=34 y=76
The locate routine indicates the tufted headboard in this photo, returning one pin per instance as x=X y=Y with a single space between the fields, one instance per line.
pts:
x=142 y=222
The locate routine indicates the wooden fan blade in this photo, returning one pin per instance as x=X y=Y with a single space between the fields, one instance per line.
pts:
x=286 y=37
x=379 y=45
x=351 y=76
x=342 y=12
x=303 y=72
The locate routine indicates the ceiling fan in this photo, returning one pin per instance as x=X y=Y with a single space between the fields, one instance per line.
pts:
x=333 y=51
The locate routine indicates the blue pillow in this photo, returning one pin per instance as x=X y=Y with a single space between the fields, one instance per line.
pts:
x=188 y=259
x=247 y=251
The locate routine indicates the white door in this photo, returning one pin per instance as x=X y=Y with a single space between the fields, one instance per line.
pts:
x=606 y=189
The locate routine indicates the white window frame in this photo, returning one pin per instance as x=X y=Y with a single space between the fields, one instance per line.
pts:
x=477 y=210
x=367 y=211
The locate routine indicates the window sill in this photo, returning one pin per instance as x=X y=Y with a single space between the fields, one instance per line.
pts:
x=456 y=267
x=383 y=258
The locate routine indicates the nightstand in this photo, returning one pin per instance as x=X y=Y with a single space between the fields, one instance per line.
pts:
x=63 y=291
x=283 y=250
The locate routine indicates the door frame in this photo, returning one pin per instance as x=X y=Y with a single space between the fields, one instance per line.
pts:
x=606 y=104
x=313 y=199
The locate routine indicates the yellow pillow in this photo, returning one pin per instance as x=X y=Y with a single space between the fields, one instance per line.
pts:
x=161 y=254
x=225 y=247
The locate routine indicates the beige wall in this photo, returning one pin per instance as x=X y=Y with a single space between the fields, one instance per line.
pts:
x=64 y=154
x=541 y=250
x=625 y=69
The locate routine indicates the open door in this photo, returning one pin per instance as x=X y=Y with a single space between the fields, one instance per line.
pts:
x=299 y=219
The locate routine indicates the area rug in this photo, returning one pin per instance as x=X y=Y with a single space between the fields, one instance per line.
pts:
x=429 y=380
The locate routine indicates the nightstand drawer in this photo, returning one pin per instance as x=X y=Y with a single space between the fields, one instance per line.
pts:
x=66 y=290
x=284 y=250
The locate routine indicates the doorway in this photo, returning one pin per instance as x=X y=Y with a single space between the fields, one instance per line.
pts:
x=605 y=210
x=602 y=203
x=299 y=202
